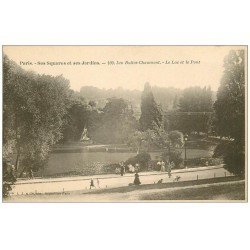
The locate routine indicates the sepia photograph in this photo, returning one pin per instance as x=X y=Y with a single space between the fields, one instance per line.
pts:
x=124 y=123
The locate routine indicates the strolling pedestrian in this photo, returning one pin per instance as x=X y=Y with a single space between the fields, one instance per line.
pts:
x=162 y=166
x=92 y=185
x=122 y=168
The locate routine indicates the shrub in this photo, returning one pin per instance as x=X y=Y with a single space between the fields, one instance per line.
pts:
x=207 y=161
x=233 y=154
x=152 y=165
x=8 y=178
x=176 y=138
x=142 y=159
x=175 y=157
x=110 y=168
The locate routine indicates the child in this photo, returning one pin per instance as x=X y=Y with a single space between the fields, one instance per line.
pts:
x=92 y=184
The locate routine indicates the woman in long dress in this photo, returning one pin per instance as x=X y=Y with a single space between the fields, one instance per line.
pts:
x=137 y=179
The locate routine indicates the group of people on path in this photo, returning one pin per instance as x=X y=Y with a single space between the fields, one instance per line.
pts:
x=122 y=172
x=162 y=164
x=132 y=169
x=122 y=169
x=92 y=184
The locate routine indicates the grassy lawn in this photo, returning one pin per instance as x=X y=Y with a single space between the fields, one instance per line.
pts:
x=223 y=192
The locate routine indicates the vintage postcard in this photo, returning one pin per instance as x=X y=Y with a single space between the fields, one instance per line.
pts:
x=124 y=123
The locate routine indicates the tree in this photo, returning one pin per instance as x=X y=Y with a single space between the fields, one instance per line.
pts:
x=165 y=96
x=172 y=156
x=230 y=112
x=196 y=99
x=194 y=112
x=142 y=159
x=114 y=123
x=230 y=104
x=8 y=177
x=176 y=138
x=76 y=118
x=149 y=139
x=151 y=114
x=33 y=114
x=136 y=140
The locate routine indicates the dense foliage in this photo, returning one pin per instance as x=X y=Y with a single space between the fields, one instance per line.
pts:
x=113 y=123
x=230 y=112
x=167 y=97
x=142 y=159
x=194 y=112
x=8 y=178
x=172 y=156
x=176 y=138
x=76 y=118
x=151 y=114
x=33 y=114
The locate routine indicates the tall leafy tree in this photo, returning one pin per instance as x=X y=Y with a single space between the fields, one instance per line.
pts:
x=149 y=139
x=230 y=112
x=151 y=114
x=76 y=118
x=194 y=112
x=33 y=114
x=114 y=123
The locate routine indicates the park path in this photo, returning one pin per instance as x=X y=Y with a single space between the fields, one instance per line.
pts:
x=57 y=185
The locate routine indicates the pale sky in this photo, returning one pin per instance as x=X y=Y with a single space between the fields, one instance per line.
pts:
x=129 y=76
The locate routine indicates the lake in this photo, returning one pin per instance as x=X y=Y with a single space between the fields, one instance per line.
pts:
x=90 y=163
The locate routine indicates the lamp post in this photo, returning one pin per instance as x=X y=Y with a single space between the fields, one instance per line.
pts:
x=185 y=147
